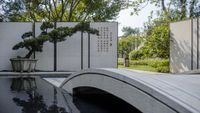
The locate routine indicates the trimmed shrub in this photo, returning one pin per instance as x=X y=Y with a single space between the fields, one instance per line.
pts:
x=163 y=69
x=139 y=62
x=120 y=61
x=158 y=63
x=135 y=55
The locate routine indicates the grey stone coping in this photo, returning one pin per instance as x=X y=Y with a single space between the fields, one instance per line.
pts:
x=41 y=74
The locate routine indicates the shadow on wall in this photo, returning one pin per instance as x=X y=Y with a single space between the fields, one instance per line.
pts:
x=180 y=55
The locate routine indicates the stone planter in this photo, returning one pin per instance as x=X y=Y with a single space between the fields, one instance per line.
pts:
x=23 y=64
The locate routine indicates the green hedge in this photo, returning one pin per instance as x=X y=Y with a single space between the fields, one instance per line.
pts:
x=161 y=65
x=135 y=55
x=139 y=62
x=120 y=61
x=158 y=63
x=163 y=69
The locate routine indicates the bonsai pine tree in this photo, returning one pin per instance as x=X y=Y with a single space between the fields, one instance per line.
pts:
x=57 y=35
x=34 y=44
x=85 y=27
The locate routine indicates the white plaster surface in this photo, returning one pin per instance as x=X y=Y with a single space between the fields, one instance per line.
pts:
x=10 y=34
x=68 y=52
x=181 y=46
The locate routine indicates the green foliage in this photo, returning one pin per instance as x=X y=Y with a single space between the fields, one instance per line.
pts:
x=140 y=67
x=130 y=31
x=104 y=10
x=27 y=35
x=46 y=25
x=139 y=62
x=156 y=29
x=129 y=43
x=64 y=10
x=157 y=65
x=120 y=61
x=157 y=44
x=163 y=69
x=85 y=27
x=151 y=62
x=171 y=9
x=60 y=34
x=135 y=55
x=33 y=44
x=56 y=35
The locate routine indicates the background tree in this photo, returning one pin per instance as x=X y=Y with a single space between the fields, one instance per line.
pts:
x=130 y=31
x=156 y=29
x=157 y=42
x=127 y=44
x=62 y=10
x=183 y=8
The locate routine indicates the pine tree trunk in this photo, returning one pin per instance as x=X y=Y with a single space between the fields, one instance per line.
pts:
x=29 y=54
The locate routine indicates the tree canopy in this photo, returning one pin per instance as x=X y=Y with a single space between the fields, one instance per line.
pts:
x=61 y=10
x=173 y=9
x=130 y=31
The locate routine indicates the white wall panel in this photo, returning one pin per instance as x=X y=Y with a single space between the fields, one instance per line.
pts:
x=180 y=46
x=104 y=47
x=46 y=57
x=85 y=50
x=10 y=34
x=69 y=51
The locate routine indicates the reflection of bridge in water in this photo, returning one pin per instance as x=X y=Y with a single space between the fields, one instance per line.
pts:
x=148 y=92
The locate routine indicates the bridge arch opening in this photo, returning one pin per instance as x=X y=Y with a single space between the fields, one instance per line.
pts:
x=101 y=100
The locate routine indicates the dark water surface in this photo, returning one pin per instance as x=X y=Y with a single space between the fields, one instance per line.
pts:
x=47 y=98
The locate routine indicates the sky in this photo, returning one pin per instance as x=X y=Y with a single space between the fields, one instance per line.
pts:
x=125 y=19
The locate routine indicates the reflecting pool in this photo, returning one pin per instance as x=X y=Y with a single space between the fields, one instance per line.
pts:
x=47 y=98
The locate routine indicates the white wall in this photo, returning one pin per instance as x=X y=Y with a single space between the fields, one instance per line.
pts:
x=68 y=52
x=10 y=33
x=104 y=54
x=181 y=58
x=45 y=58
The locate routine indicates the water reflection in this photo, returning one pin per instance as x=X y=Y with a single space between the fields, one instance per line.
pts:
x=23 y=84
x=49 y=99
x=35 y=104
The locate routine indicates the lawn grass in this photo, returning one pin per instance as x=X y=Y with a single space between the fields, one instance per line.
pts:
x=140 y=67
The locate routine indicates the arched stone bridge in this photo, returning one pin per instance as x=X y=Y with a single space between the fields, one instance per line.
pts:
x=148 y=92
